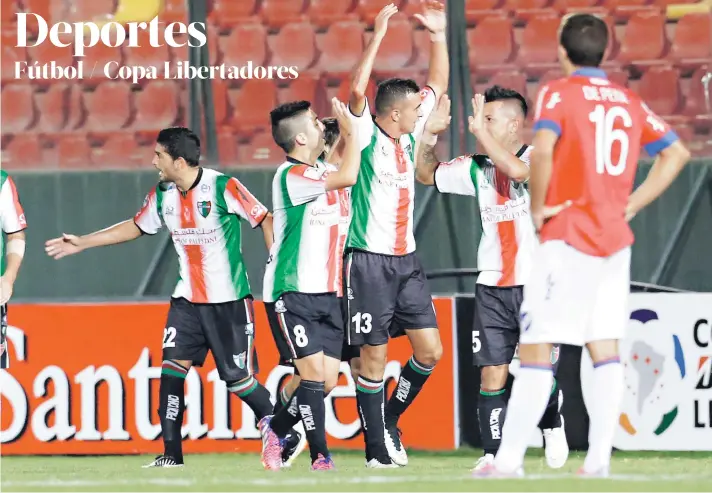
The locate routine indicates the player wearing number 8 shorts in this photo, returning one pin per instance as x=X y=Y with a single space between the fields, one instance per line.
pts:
x=302 y=276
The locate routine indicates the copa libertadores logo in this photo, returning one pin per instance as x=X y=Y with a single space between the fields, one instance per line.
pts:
x=80 y=36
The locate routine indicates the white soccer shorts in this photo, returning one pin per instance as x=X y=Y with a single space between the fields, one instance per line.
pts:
x=574 y=298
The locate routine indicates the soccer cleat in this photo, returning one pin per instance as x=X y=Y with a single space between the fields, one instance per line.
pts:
x=323 y=464
x=394 y=446
x=271 y=447
x=489 y=471
x=556 y=446
x=292 y=445
x=385 y=463
x=163 y=461
x=484 y=461
x=601 y=473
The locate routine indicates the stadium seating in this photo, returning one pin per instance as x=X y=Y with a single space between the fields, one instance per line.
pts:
x=510 y=42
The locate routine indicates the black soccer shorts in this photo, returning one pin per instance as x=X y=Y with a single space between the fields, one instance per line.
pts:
x=227 y=330
x=304 y=324
x=385 y=295
x=495 y=334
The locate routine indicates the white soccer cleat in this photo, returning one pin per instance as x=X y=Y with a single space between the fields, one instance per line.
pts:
x=164 y=461
x=376 y=464
x=482 y=462
x=556 y=447
x=395 y=447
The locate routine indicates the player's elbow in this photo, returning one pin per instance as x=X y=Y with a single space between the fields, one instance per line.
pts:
x=519 y=174
x=425 y=177
x=676 y=154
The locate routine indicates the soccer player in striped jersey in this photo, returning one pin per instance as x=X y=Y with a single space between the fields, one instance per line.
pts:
x=211 y=307
x=387 y=293
x=302 y=275
x=295 y=442
x=13 y=225
x=505 y=255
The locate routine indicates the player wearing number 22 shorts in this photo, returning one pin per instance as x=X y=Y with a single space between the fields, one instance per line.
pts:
x=589 y=132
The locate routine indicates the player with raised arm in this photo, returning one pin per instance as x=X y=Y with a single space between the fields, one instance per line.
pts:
x=211 y=307
x=13 y=225
x=302 y=276
x=505 y=254
x=387 y=293
x=586 y=149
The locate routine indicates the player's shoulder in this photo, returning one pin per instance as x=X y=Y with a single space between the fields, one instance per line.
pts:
x=4 y=176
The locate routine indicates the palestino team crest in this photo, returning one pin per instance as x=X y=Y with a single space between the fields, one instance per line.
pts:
x=204 y=208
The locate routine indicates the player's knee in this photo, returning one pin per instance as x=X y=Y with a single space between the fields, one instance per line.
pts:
x=373 y=361
x=431 y=354
x=494 y=377
x=355 y=365
x=603 y=350
x=311 y=367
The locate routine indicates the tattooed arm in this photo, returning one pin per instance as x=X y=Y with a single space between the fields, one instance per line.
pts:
x=426 y=160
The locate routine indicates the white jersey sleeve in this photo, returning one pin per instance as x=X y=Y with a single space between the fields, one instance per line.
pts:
x=148 y=218
x=12 y=216
x=429 y=99
x=305 y=183
x=457 y=176
x=364 y=126
x=240 y=201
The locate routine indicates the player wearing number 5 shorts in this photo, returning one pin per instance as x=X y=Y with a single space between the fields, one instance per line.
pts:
x=211 y=306
x=13 y=225
x=589 y=132
x=505 y=254
x=386 y=290
x=302 y=275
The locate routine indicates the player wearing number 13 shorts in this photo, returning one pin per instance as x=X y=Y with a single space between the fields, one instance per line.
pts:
x=589 y=132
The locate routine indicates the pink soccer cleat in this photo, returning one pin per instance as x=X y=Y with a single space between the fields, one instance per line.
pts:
x=489 y=471
x=584 y=474
x=323 y=464
x=271 y=448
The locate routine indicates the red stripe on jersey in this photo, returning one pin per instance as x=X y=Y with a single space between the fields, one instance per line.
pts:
x=199 y=292
x=151 y=198
x=333 y=267
x=344 y=206
x=401 y=246
x=18 y=207
x=507 y=234
x=255 y=212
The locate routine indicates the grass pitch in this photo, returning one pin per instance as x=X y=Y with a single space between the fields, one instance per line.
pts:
x=426 y=472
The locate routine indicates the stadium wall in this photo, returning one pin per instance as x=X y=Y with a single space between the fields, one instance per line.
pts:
x=81 y=202
x=83 y=380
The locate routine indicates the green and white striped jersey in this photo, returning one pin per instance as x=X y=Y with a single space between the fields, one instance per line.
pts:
x=310 y=226
x=205 y=227
x=383 y=197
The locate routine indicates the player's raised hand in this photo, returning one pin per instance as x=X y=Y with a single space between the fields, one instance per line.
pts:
x=477 y=120
x=439 y=119
x=341 y=113
x=63 y=246
x=433 y=17
x=381 y=25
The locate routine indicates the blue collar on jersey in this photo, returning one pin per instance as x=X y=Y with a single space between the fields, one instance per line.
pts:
x=591 y=72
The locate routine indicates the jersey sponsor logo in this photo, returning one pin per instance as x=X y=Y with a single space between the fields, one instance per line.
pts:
x=257 y=211
x=510 y=211
x=205 y=188
x=204 y=207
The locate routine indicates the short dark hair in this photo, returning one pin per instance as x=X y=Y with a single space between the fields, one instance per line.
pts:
x=180 y=142
x=391 y=90
x=282 y=118
x=499 y=93
x=585 y=39
x=331 y=130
